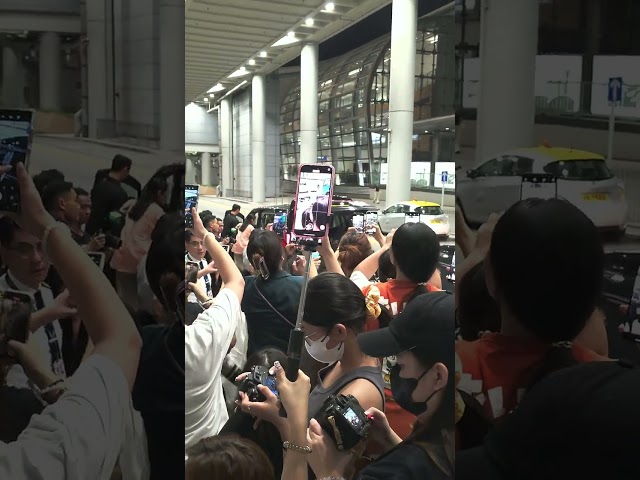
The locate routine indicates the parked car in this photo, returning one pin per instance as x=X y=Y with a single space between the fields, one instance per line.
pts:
x=342 y=213
x=430 y=214
x=583 y=178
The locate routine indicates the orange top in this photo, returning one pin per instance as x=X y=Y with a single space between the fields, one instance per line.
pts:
x=496 y=369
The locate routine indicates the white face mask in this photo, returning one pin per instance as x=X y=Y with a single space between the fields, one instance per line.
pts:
x=318 y=350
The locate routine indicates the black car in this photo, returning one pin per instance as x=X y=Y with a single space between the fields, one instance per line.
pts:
x=342 y=213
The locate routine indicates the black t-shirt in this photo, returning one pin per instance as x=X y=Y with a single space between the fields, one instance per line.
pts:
x=132 y=186
x=405 y=462
x=230 y=221
x=107 y=196
x=158 y=394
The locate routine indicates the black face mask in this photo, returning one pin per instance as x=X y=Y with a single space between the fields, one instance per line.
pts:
x=402 y=389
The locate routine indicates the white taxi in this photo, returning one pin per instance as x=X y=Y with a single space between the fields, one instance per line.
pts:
x=429 y=213
x=583 y=178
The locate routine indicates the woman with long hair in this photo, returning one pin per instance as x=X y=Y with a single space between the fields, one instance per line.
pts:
x=136 y=238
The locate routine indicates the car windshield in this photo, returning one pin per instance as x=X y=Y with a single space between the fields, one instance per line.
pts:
x=429 y=210
x=595 y=169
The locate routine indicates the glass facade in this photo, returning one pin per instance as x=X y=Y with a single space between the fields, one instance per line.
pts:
x=353 y=108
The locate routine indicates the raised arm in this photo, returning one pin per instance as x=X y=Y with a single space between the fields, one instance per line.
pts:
x=369 y=266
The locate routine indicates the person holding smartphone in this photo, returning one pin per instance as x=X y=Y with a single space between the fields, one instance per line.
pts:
x=87 y=421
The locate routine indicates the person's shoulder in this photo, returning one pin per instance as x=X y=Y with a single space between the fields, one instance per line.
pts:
x=407 y=461
x=584 y=354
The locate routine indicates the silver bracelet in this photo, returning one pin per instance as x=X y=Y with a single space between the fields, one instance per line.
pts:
x=332 y=478
x=47 y=232
x=287 y=445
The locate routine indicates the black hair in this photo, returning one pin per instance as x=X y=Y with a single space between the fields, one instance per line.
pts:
x=120 y=162
x=267 y=245
x=166 y=258
x=477 y=311
x=250 y=218
x=153 y=187
x=235 y=207
x=53 y=191
x=174 y=176
x=207 y=218
x=386 y=268
x=265 y=358
x=42 y=179
x=346 y=305
x=416 y=251
x=320 y=211
x=531 y=237
x=187 y=235
x=205 y=212
x=8 y=230
x=81 y=192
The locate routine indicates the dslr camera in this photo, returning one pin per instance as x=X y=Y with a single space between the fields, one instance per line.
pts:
x=342 y=417
x=258 y=376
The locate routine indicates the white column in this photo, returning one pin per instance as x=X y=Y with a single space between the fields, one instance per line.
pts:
x=189 y=173
x=309 y=104
x=50 y=71
x=258 y=139
x=225 y=146
x=12 y=79
x=99 y=95
x=506 y=101
x=205 y=169
x=404 y=18
x=171 y=38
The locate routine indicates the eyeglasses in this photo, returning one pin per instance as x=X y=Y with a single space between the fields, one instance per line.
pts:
x=196 y=243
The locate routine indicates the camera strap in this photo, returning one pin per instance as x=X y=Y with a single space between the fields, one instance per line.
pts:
x=271 y=306
x=336 y=432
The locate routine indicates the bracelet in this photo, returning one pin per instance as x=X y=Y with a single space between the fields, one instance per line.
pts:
x=53 y=386
x=287 y=445
x=332 y=478
x=47 y=232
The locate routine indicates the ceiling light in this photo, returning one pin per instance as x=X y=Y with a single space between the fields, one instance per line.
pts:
x=239 y=73
x=212 y=95
x=205 y=99
x=252 y=62
x=217 y=88
x=243 y=69
x=263 y=54
x=291 y=34
x=288 y=39
x=329 y=7
x=309 y=22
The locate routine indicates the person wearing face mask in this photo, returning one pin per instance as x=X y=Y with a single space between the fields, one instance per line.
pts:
x=423 y=383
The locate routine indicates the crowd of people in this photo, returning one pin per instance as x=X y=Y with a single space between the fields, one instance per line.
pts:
x=378 y=328
x=93 y=389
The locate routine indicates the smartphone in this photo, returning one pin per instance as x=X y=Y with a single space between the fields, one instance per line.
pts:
x=543 y=186
x=371 y=220
x=190 y=201
x=315 y=256
x=270 y=383
x=358 y=223
x=226 y=248
x=313 y=200
x=193 y=265
x=280 y=223
x=412 y=217
x=16 y=131
x=16 y=307
x=98 y=259
x=630 y=329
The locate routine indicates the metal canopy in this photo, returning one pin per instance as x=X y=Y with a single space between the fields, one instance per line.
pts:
x=222 y=36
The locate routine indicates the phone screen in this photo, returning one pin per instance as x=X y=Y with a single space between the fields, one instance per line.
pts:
x=352 y=418
x=313 y=200
x=280 y=223
x=15 y=144
x=371 y=222
x=412 y=217
x=631 y=327
x=98 y=259
x=190 y=201
x=538 y=186
x=270 y=383
x=358 y=223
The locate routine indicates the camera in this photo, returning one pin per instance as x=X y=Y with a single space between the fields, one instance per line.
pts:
x=258 y=376
x=342 y=417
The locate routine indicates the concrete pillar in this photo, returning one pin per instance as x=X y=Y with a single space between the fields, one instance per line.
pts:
x=226 y=141
x=189 y=172
x=506 y=101
x=50 y=71
x=12 y=79
x=258 y=139
x=205 y=169
x=99 y=95
x=404 y=17
x=309 y=104
x=171 y=38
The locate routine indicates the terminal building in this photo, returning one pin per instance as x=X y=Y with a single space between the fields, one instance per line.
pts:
x=105 y=69
x=376 y=124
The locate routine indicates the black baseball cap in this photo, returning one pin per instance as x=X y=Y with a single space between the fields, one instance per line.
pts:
x=580 y=422
x=427 y=323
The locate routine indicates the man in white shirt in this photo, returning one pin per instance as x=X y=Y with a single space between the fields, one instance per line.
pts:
x=27 y=268
x=195 y=249
x=207 y=342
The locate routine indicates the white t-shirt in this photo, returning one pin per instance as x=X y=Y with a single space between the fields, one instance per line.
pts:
x=80 y=436
x=206 y=342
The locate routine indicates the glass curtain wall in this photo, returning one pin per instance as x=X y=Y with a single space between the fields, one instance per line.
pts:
x=353 y=108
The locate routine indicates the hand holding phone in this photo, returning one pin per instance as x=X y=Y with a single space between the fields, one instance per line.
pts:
x=191 y=194
x=15 y=314
x=371 y=222
x=15 y=146
x=358 y=223
x=314 y=195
